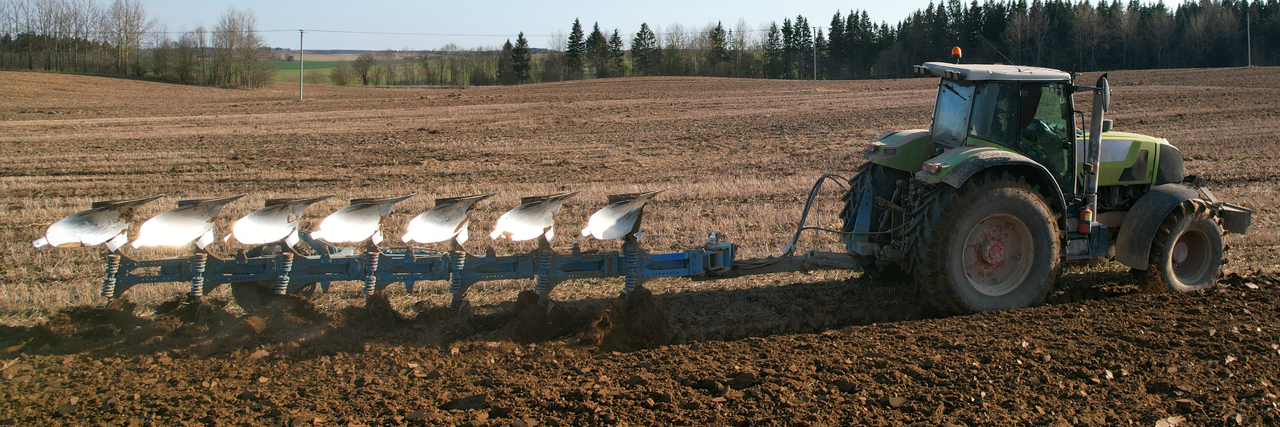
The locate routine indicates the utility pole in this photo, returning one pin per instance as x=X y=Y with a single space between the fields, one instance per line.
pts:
x=1248 y=30
x=815 y=59
x=302 y=62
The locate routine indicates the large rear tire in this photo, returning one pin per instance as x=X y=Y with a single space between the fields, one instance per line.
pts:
x=989 y=245
x=883 y=182
x=1187 y=250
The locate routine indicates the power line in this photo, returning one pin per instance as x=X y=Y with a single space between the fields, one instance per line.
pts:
x=392 y=33
x=398 y=33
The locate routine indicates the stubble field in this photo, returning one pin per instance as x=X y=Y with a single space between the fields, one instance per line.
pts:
x=738 y=156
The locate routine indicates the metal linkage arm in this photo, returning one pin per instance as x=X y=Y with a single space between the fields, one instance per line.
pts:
x=412 y=266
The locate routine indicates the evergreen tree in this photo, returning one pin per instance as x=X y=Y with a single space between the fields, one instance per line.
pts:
x=718 y=52
x=598 y=52
x=803 y=36
x=774 y=53
x=576 y=51
x=788 y=49
x=864 y=45
x=836 y=49
x=506 y=72
x=615 y=53
x=820 y=47
x=644 y=50
x=856 y=45
x=521 y=60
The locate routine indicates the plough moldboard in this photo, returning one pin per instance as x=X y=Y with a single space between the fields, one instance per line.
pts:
x=281 y=259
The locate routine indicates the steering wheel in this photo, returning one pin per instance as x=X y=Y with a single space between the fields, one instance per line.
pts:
x=1031 y=139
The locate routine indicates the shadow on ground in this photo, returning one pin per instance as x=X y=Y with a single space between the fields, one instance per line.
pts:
x=646 y=320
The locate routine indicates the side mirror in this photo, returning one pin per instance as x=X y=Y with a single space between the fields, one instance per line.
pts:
x=1106 y=125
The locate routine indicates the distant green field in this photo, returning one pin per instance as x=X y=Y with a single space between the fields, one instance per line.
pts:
x=311 y=65
x=317 y=72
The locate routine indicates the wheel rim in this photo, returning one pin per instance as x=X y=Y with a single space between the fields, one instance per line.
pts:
x=1190 y=257
x=998 y=254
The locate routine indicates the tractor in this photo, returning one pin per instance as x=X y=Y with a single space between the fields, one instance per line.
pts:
x=983 y=209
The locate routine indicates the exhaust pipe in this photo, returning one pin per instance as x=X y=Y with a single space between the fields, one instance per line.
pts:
x=1101 y=100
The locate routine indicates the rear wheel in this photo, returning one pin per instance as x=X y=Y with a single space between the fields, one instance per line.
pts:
x=1187 y=249
x=883 y=183
x=989 y=245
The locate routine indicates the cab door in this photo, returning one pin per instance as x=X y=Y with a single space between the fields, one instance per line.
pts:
x=1045 y=129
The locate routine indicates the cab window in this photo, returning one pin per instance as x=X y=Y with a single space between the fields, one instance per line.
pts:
x=993 y=112
x=951 y=112
x=1044 y=117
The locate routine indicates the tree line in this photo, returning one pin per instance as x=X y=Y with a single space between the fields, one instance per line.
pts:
x=1078 y=36
x=120 y=39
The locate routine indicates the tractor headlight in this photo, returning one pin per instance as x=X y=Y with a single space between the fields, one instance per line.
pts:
x=872 y=147
x=933 y=167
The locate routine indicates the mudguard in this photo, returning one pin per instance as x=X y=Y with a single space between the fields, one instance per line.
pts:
x=982 y=158
x=1133 y=247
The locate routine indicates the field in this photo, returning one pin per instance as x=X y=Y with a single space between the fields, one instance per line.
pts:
x=310 y=65
x=316 y=72
x=827 y=348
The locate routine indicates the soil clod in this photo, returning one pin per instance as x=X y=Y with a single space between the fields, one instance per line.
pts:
x=630 y=324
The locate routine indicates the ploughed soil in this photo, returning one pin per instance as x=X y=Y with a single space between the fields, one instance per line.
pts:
x=1094 y=356
x=826 y=348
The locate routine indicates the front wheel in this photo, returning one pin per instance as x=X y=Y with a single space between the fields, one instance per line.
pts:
x=1187 y=249
x=989 y=245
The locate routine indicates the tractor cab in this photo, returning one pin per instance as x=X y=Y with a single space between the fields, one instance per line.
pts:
x=1027 y=110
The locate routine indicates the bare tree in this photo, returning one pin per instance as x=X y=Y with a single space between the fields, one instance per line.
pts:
x=84 y=18
x=384 y=69
x=553 y=63
x=1016 y=35
x=738 y=43
x=188 y=55
x=1088 y=30
x=126 y=23
x=239 y=54
x=162 y=51
x=675 y=36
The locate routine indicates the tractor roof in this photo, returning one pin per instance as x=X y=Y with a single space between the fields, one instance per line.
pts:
x=983 y=72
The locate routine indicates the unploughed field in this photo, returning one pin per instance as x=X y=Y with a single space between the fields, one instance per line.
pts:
x=739 y=156
x=316 y=72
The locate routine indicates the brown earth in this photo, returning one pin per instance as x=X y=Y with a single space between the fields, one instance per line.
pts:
x=826 y=348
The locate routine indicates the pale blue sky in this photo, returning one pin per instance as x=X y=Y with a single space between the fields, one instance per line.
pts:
x=500 y=18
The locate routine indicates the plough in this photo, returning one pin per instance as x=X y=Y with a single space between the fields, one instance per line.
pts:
x=281 y=259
